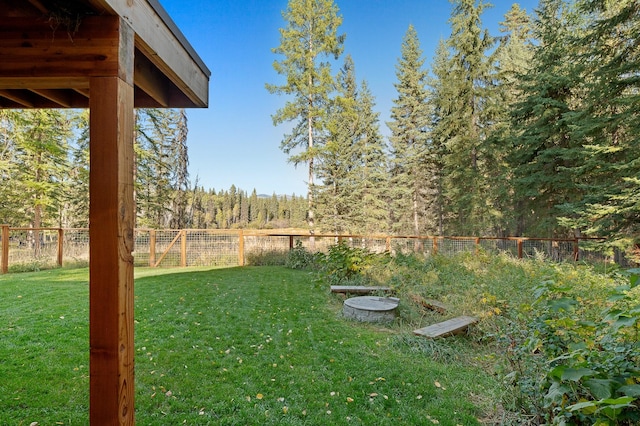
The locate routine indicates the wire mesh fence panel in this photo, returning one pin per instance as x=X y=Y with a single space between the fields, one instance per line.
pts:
x=167 y=248
x=450 y=246
x=374 y=245
x=33 y=249
x=500 y=245
x=75 y=249
x=266 y=249
x=141 y=247
x=406 y=245
x=548 y=249
x=212 y=248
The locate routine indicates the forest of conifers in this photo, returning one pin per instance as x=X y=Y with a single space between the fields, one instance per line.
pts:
x=530 y=132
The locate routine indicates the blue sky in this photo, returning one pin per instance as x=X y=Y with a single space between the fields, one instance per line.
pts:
x=234 y=140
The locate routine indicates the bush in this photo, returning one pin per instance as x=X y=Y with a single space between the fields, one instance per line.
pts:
x=300 y=258
x=569 y=368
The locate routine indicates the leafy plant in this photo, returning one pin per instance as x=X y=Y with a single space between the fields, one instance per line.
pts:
x=344 y=264
x=300 y=258
x=586 y=370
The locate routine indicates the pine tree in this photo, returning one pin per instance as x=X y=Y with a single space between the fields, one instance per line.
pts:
x=77 y=193
x=309 y=37
x=543 y=149
x=336 y=197
x=12 y=206
x=409 y=136
x=468 y=121
x=440 y=101
x=179 y=157
x=607 y=125
x=512 y=58
x=373 y=169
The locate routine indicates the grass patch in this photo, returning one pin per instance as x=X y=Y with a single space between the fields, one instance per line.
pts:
x=268 y=345
x=227 y=346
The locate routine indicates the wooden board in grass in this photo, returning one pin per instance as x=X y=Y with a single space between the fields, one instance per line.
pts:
x=447 y=328
x=359 y=289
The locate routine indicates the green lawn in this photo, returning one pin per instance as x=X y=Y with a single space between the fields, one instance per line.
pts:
x=240 y=346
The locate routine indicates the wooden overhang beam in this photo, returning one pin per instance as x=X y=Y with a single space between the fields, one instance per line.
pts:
x=164 y=45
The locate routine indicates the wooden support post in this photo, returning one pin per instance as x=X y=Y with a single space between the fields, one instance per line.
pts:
x=435 y=245
x=152 y=248
x=183 y=248
x=519 y=248
x=111 y=218
x=477 y=246
x=576 y=249
x=290 y=242
x=60 y=245
x=387 y=244
x=240 y=248
x=5 y=249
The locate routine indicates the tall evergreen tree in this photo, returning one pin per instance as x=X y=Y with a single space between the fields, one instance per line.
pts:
x=607 y=125
x=409 y=135
x=512 y=59
x=544 y=150
x=440 y=101
x=12 y=206
x=373 y=168
x=336 y=197
x=468 y=119
x=77 y=194
x=311 y=35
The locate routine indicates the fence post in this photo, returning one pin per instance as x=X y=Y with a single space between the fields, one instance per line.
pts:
x=576 y=249
x=477 y=246
x=5 y=249
x=290 y=242
x=388 y=244
x=519 y=248
x=240 y=247
x=183 y=248
x=60 y=246
x=152 y=248
x=435 y=245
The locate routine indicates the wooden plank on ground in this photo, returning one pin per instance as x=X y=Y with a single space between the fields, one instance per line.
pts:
x=359 y=289
x=447 y=328
x=435 y=305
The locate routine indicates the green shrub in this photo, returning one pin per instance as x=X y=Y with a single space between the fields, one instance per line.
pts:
x=569 y=368
x=300 y=258
x=344 y=265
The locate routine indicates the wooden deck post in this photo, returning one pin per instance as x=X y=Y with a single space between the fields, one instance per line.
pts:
x=152 y=248
x=111 y=219
x=5 y=249
x=183 y=248
x=60 y=246
x=240 y=247
x=520 y=248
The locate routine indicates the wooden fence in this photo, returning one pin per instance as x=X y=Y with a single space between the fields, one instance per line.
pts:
x=31 y=248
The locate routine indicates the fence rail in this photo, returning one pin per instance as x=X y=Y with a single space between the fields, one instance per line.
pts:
x=35 y=248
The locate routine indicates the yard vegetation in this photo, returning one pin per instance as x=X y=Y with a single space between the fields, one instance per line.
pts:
x=268 y=345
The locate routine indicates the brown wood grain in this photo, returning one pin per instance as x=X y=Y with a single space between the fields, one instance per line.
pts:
x=111 y=224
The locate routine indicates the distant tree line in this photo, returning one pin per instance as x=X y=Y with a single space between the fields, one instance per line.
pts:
x=532 y=132
x=44 y=166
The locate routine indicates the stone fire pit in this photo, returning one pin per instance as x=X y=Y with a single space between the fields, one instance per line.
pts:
x=371 y=308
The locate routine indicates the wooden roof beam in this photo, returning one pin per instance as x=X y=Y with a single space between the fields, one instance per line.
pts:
x=164 y=45
x=60 y=97
x=151 y=81
x=17 y=97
